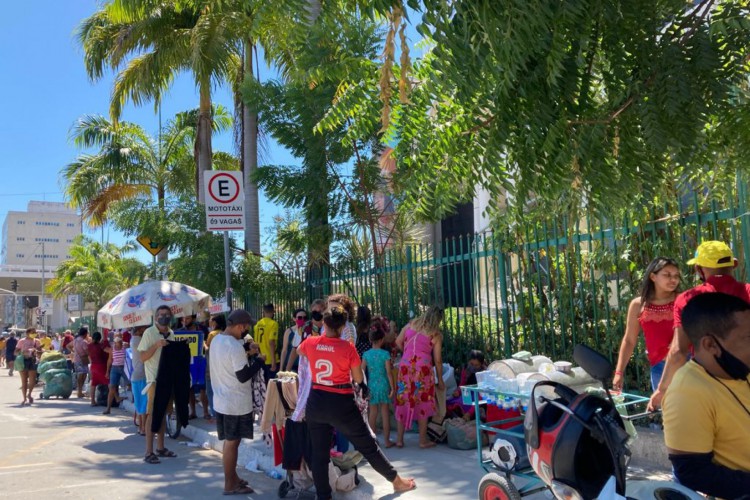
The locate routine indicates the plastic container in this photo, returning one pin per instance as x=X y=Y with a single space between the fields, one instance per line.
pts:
x=510 y=368
x=563 y=366
x=484 y=379
x=577 y=379
x=467 y=397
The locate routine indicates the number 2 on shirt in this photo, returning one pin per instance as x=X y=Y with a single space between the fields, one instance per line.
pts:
x=323 y=369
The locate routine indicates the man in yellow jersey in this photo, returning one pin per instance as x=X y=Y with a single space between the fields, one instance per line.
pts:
x=266 y=334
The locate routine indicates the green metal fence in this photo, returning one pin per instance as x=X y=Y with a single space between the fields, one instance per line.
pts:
x=542 y=286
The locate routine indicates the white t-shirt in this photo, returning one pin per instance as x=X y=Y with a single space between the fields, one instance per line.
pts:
x=349 y=333
x=231 y=397
x=297 y=339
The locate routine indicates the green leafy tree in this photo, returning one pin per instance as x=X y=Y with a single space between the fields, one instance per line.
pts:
x=148 y=43
x=96 y=271
x=290 y=111
x=130 y=175
x=568 y=104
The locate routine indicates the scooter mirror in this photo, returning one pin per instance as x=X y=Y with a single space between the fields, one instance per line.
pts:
x=593 y=363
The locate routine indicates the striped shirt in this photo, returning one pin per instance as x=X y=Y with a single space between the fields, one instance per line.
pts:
x=118 y=357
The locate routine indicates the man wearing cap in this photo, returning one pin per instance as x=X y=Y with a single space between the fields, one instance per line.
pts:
x=231 y=374
x=713 y=263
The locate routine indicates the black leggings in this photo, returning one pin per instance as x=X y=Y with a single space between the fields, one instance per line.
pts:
x=326 y=410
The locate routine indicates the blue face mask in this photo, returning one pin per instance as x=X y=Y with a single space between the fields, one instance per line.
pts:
x=164 y=320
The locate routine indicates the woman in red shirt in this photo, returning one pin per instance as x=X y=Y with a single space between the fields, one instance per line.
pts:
x=652 y=312
x=335 y=365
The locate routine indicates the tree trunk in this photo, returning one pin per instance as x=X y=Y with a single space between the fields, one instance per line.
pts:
x=162 y=256
x=250 y=164
x=203 y=152
x=313 y=11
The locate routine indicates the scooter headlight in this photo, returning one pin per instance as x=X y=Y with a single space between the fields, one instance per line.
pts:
x=564 y=492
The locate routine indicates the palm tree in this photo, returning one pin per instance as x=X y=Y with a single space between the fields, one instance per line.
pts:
x=96 y=271
x=130 y=165
x=148 y=43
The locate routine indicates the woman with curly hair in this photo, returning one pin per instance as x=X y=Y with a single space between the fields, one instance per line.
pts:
x=421 y=342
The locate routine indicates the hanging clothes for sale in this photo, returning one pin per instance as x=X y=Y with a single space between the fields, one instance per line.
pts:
x=281 y=400
x=172 y=383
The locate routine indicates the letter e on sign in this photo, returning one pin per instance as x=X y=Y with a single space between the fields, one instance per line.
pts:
x=224 y=200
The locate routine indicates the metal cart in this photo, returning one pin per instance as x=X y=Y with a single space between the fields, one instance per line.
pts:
x=498 y=483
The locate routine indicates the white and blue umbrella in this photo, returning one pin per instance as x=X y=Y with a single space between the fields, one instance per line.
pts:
x=136 y=306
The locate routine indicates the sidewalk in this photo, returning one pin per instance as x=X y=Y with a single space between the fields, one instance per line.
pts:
x=440 y=472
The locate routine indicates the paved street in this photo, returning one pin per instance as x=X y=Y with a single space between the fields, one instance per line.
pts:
x=67 y=449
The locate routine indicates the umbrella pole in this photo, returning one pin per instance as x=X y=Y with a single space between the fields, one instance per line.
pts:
x=227 y=270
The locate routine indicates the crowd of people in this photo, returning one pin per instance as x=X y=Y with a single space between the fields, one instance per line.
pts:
x=697 y=344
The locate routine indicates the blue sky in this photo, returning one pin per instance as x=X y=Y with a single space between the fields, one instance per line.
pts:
x=44 y=89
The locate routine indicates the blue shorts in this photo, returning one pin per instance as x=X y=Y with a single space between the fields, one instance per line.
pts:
x=656 y=372
x=140 y=400
x=197 y=388
x=115 y=374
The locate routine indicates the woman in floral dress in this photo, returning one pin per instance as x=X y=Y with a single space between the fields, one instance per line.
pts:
x=421 y=342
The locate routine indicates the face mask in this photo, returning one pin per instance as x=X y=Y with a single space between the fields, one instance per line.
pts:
x=471 y=369
x=164 y=320
x=734 y=367
x=32 y=335
x=316 y=315
x=300 y=322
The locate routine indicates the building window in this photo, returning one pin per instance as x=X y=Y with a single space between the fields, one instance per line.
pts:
x=20 y=222
x=43 y=223
x=20 y=238
x=46 y=256
x=70 y=241
x=19 y=256
x=48 y=240
x=70 y=224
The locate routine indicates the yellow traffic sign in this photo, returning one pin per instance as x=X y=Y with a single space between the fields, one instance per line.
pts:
x=152 y=247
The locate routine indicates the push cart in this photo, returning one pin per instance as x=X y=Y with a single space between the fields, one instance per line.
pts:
x=498 y=483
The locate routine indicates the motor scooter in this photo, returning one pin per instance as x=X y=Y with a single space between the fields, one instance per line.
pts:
x=578 y=446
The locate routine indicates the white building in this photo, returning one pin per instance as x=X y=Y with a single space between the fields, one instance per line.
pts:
x=45 y=224
x=33 y=243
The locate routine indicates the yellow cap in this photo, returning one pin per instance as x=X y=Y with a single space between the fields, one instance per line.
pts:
x=713 y=254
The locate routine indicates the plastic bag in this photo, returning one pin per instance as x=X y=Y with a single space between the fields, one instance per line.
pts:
x=18 y=364
x=59 y=364
x=461 y=435
x=51 y=356
x=57 y=383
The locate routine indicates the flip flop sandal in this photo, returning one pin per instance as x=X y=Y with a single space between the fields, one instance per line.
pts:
x=151 y=459
x=166 y=453
x=240 y=490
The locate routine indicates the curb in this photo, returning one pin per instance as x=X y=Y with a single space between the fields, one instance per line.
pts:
x=251 y=450
x=648 y=449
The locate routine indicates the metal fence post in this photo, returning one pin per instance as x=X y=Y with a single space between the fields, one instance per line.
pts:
x=504 y=301
x=410 y=282
x=742 y=195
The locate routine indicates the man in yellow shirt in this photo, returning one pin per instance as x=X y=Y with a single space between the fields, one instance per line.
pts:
x=45 y=341
x=266 y=334
x=707 y=405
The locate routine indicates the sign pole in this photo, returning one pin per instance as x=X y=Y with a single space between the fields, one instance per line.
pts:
x=224 y=196
x=227 y=270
